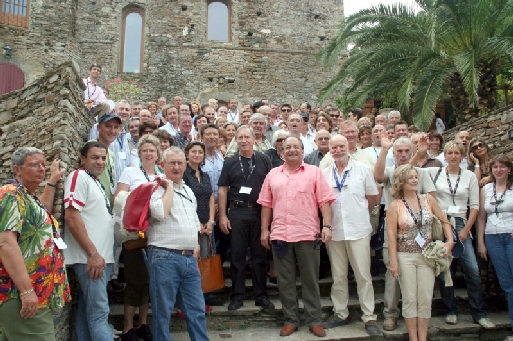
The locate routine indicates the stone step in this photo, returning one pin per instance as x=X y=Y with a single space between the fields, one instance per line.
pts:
x=465 y=330
x=250 y=315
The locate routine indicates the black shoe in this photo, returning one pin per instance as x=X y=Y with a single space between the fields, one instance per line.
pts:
x=130 y=335
x=144 y=332
x=214 y=301
x=264 y=303
x=334 y=321
x=234 y=305
x=273 y=280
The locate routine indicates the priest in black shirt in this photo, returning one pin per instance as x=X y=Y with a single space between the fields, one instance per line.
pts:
x=239 y=187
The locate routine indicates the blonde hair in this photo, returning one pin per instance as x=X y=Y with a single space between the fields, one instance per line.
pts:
x=452 y=144
x=401 y=174
x=151 y=139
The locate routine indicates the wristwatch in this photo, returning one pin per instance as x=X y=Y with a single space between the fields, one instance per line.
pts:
x=213 y=222
x=327 y=226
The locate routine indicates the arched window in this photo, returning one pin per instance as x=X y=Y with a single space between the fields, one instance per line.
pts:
x=14 y=13
x=11 y=78
x=218 y=20
x=132 y=45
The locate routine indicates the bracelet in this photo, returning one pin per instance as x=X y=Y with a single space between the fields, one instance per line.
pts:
x=477 y=167
x=327 y=226
x=51 y=185
x=95 y=252
x=26 y=292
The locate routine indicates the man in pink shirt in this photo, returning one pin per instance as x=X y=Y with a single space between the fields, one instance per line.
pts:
x=292 y=195
x=93 y=94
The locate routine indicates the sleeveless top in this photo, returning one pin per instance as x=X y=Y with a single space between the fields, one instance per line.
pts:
x=407 y=230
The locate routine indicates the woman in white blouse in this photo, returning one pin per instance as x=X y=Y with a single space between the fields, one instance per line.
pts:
x=455 y=190
x=495 y=225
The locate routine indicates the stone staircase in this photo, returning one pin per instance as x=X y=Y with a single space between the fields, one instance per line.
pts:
x=253 y=323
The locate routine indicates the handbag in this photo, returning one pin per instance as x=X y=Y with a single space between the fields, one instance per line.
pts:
x=137 y=207
x=211 y=270
x=437 y=232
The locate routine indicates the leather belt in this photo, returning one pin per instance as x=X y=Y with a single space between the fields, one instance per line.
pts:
x=180 y=252
x=249 y=204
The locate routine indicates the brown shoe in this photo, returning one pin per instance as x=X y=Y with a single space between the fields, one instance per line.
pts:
x=287 y=329
x=317 y=330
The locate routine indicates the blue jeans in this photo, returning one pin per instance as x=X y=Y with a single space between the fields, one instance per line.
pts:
x=93 y=306
x=500 y=251
x=468 y=263
x=175 y=278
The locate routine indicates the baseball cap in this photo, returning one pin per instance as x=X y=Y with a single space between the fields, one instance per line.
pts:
x=108 y=117
x=304 y=115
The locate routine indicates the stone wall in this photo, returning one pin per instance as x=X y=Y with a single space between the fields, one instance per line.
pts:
x=271 y=53
x=493 y=129
x=48 y=114
x=49 y=40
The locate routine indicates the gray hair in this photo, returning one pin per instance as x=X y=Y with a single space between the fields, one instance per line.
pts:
x=245 y=127
x=394 y=112
x=172 y=150
x=278 y=133
x=20 y=155
x=258 y=117
x=123 y=101
x=403 y=139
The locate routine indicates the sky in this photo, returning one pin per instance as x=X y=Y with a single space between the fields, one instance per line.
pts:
x=353 y=6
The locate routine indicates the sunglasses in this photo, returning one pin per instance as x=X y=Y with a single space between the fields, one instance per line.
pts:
x=281 y=139
x=286 y=110
x=479 y=145
x=335 y=115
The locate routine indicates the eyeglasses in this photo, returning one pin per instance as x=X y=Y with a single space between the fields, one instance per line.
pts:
x=147 y=132
x=323 y=138
x=286 y=110
x=175 y=163
x=35 y=165
x=479 y=145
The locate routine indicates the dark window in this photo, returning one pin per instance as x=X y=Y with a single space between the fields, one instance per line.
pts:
x=218 y=20
x=14 y=13
x=132 y=41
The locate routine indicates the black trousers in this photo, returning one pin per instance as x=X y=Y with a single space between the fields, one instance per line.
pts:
x=245 y=223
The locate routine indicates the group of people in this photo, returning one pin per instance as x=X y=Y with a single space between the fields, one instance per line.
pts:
x=281 y=183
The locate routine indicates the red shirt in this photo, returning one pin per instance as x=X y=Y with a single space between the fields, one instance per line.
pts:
x=295 y=198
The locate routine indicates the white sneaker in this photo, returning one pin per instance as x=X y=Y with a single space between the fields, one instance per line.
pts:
x=486 y=323
x=451 y=319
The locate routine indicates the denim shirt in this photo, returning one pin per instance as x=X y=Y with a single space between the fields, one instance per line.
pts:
x=213 y=169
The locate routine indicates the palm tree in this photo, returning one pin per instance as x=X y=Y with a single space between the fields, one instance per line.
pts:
x=449 y=46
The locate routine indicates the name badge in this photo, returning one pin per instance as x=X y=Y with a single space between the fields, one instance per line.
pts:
x=453 y=209
x=339 y=199
x=245 y=190
x=420 y=240
x=61 y=245
x=494 y=219
x=122 y=155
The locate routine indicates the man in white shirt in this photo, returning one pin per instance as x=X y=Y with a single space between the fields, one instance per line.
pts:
x=171 y=114
x=233 y=113
x=353 y=185
x=90 y=242
x=93 y=94
x=173 y=251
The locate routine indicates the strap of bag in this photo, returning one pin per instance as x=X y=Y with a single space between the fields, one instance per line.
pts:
x=437 y=175
x=210 y=249
x=142 y=218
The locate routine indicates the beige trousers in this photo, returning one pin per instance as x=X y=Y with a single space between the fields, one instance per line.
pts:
x=417 y=280
x=392 y=290
x=357 y=253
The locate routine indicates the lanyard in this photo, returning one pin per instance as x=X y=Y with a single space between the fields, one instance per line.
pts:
x=339 y=184
x=120 y=140
x=453 y=193
x=413 y=214
x=233 y=117
x=498 y=201
x=109 y=168
x=26 y=193
x=186 y=197
x=145 y=174
x=100 y=186
x=375 y=151
x=134 y=142
x=89 y=94
x=251 y=167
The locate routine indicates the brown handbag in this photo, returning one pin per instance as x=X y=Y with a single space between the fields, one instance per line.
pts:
x=211 y=270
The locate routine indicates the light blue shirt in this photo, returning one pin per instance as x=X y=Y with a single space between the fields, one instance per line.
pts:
x=213 y=168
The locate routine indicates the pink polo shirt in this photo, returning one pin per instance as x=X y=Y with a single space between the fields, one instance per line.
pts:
x=295 y=199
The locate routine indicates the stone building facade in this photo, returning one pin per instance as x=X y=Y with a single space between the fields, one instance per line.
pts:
x=270 y=52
